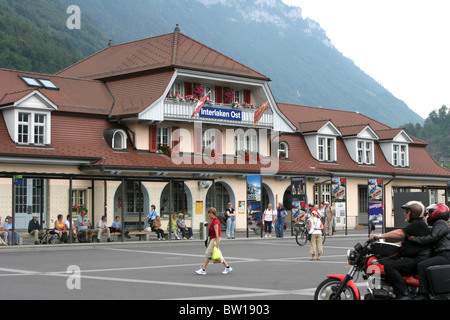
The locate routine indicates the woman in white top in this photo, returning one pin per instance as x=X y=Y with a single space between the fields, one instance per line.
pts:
x=315 y=227
x=268 y=218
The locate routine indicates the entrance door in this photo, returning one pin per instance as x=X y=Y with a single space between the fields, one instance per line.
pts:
x=28 y=201
x=363 y=205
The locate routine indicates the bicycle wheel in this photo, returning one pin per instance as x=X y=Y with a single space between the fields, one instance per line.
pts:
x=301 y=238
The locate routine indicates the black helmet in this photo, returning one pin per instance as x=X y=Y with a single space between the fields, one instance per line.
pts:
x=417 y=209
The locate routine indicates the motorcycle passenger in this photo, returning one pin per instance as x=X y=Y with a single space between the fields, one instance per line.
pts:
x=410 y=253
x=438 y=214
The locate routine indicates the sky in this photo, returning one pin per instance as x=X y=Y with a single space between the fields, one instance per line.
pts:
x=403 y=44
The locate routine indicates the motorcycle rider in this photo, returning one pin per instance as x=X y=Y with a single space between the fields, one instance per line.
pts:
x=410 y=253
x=438 y=214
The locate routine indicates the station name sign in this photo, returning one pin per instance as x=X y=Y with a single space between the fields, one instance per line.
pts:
x=218 y=113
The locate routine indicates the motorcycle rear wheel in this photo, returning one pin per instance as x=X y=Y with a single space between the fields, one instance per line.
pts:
x=325 y=291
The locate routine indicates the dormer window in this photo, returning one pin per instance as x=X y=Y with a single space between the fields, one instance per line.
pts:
x=365 y=152
x=32 y=128
x=283 y=150
x=400 y=155
x=394 y=144
x=119 y=140
x=321 y=138
x=116 y=139
x=326 y=149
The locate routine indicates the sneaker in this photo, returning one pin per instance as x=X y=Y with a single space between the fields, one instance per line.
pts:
x=200 y=271
x=227 y=270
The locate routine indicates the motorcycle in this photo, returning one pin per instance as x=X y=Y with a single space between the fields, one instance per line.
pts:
x=366 y=259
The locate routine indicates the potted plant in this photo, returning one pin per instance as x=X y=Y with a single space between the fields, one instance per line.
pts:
x=282 y=155
x=165 y=149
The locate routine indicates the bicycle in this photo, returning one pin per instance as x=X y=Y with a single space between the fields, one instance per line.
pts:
x=300 y=231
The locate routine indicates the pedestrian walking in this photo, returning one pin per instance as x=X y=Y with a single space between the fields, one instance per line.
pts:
x=213 y=241
x=315 y=227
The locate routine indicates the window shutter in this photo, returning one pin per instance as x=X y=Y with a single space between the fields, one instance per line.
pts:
x=247 y=96
x=153 y=138
x=219 y=94
x=198 y=141
x=218 y=142
x=187 y=88
x=175 y=139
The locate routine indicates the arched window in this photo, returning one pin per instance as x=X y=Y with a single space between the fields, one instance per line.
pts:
x=119 y=140
x=283 y=150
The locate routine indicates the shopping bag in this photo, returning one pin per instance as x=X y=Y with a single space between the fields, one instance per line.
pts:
x=216 y=255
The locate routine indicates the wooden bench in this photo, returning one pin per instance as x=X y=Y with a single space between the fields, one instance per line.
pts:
x=136 y=233
x=139 y=234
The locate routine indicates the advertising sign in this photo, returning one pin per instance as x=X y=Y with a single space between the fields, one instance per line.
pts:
x=253 y=200
x=340 y=213
x=376 y=213
x=298 y=196
x=375 y=189
x=338 y=189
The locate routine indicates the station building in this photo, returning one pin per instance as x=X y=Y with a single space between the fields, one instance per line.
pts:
x=117 y=132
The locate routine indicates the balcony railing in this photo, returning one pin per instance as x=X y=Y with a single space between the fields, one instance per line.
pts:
x=216 y=113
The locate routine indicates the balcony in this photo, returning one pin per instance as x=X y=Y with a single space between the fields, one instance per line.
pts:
x=216 y=114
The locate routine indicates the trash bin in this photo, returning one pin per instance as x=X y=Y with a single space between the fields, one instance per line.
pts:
x=203 y=230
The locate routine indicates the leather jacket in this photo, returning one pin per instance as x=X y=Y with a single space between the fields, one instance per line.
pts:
x=439 y=236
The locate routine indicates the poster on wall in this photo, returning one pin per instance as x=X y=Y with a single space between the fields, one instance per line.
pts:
x=298 y=197
x=375 y=189
x=338 y=189
x=340 y=213
x=376 y=213
x=254 y=214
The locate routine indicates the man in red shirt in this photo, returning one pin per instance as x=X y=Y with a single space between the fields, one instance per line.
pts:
x=311 y=208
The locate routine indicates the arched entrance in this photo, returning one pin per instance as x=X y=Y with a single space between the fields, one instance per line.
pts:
x=136 y=204
x=223 y=195
x=180 y=200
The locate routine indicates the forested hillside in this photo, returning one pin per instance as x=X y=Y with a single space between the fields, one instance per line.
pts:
x=34 y=36
x=435 y=131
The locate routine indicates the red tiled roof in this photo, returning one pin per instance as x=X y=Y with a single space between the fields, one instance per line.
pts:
x=136 y=94
x=299 y=113
x=170 y=50
x=313 y=118
x=74 y=95
x=352 y=130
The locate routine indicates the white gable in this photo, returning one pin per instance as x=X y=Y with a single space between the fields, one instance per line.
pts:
x=329 y=129
x=35 y=100
x=368 y=133
x=402 y=137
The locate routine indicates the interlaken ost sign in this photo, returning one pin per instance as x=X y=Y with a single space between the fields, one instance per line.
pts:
x=218 y=113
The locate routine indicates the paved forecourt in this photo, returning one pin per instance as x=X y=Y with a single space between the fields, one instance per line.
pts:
x=263 y=269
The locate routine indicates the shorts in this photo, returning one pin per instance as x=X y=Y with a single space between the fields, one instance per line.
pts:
x=210 y=248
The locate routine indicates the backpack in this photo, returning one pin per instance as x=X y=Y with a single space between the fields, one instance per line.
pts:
x=82 y=237
x=225 y=216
